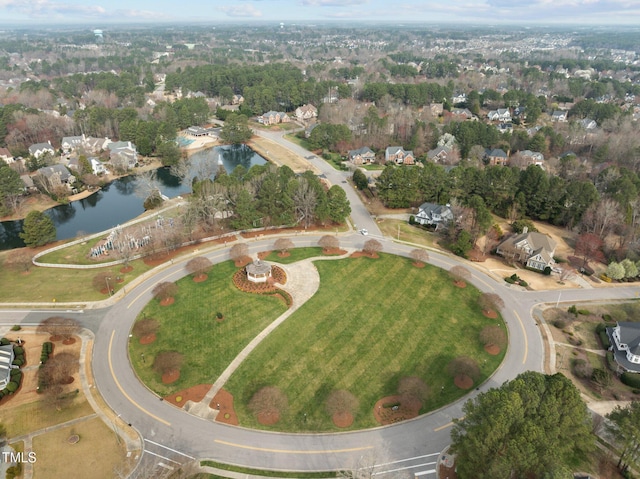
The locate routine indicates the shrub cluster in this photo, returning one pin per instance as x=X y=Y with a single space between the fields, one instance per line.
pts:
x=47 y=349
x=631 y=379
x=515 y=279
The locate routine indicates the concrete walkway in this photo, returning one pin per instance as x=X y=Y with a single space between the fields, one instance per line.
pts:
x=302 y=283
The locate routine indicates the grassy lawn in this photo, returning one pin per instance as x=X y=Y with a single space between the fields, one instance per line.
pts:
x=296 y=254
x=94 y=456
x=75 y=254
x=190 y=327
x=371 y=323
x=33 y=416
x=47 y=284
x=408 y=233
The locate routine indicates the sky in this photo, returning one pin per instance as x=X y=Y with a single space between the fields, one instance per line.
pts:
x=97 y=12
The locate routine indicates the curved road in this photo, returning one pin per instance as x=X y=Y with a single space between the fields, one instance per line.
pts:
x=172 y=435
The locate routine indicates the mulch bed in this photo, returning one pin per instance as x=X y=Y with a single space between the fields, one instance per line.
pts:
x=406 y=409
x=284 y=254
x=360 y=254
x=463 y=381
x=55 y=338
x=69 y=380
x=167 y=301
x=227 y=414
x=194 y=393
x=160 y=258
x=334 y=251
x=170 y=376
x=263 y=254
x=445 y=472
x=148 y=338
x=492 y=349
x=199 y=278
x=418 y=264
x=242 y=262
x=126 y=269
x=490 y=314
x=342 y=419
x=460 y=284
x=269 y=418
x=69 y=341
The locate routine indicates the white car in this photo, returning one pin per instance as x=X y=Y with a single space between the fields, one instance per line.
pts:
x=364 y=232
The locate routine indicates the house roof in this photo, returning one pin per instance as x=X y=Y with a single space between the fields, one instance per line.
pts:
x=630 y=335
x=5 y=153
x=437 y=151
x=538 y=242
x=496 y=152
x=40 y=146
x=432 y=208
x=6 y=357
x=258 y=267
x=59 y=169
x=365 y=150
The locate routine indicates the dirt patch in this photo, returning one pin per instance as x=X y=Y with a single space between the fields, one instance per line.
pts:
x=68 y=341
x=418 y=264
x=170 y=376
x=263 y=254
x=194 y=393
x=334 y=251
x=490 y=314
x=148 y=338
x=56 y=338
x=460 y=284
x=269 y=418
x=199 y=278
x=126 y=269
x=392 y=409
x=445 y=472
x=167 y=301
x=242 y=262
x=284 y=254
x=492 y=349
x=342 y=419
x=157 y=259
x=463 y=381
x=361 y=254
x=223 y=402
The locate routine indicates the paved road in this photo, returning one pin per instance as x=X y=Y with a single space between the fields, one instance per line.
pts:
x=172 y=436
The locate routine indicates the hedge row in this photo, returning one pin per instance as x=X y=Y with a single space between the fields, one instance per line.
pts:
x=631 y=379
x=47 y=349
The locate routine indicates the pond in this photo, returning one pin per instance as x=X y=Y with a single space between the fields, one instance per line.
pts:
x=117 y=202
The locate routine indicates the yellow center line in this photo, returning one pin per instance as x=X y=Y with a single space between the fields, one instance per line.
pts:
x=524 y=335
x=123 y=391
x=146 y=290
x=443 y=427
x=288 y=451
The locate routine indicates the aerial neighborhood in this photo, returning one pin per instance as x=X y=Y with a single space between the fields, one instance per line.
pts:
x=214 y=233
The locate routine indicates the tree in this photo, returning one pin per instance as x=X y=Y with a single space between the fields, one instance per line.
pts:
x=239 y=251
x=198 y=266
x=630 y=268
x=268 y=400
x=372 y=246
x=164 y=290
x=419 y=255
x=624 y=427
x=459 y=274
x=38 y=229
x=19 y=260
x=532 y=426
x=413 y=387
x=360 y=179
x=283 y=245
x=589 y=246
x=340 y=402
x=58 y=369
x=339 y=207
x=493 y=335
x=236 y=129
x=103 y=281
x=615 y=271
x=11 y=189
x=490 y=301
x=145 y=326
x=60 y=326
x=167 y=361
x=329 y=242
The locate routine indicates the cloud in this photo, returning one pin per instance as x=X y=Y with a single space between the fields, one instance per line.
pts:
x=332 y=3
x=242 y=10
x=40 y=8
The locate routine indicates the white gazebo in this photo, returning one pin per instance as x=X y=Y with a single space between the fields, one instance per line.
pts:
x=258 y=271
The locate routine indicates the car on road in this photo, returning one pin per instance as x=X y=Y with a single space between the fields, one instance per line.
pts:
x=364 y=232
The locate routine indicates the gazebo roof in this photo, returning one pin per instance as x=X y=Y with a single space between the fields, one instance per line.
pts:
x=258 y=267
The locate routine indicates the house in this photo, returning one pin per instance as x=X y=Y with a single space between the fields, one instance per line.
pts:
x=362 y=156
x=460 y=98
x=496 y=157
x=123 y=153
x=273 y=118
x=57 y=175
x=501 y=114
x=440 y=154
x=237 y=100
x=461 y=114
x=625 y=344
x=306 y=112
x=399 y=156
x=29 y=185
x=433 y=215
x=436 y=108
x=531 y=158
x=197 y=131
x=70 y=143
x=6 y=358
x=6 y=155
x=97 y=166
x=38 y=149
x=533 y=249
x=588 y=124
x=559 y=115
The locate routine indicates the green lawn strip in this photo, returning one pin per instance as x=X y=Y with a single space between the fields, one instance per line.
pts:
x=34 y=416
x=295 y=254
x=60 y=284
x=190 y=327
x=371 y=323
x=76 y=254
x=266 y=473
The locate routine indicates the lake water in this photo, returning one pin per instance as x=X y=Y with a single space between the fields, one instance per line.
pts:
x=117 y=202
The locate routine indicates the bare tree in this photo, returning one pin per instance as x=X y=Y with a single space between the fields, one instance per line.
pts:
x=459 y=274
x=413 y=387
x=567 y=273
x=269 y=399
x=164 y=290
x=490 y=301
x=493 y=335
x=104 y=280
x=342 y=401
x=283 y=245
x=21 y=261
x=372 y=246
x=600 y=218
x=305 y=198
x=59 y=369
x=420 y=255
x=145 y=326
x=464 y=365
x=167 y=361
x=328 y=242
x=589 y=246
x=198 y=266
x=60 y=326
x=239 y=251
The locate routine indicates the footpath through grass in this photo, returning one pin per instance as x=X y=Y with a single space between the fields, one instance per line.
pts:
x=371 y=323
x=189 y=326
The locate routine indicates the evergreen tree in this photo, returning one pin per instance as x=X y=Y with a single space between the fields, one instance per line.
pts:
x=38 y=229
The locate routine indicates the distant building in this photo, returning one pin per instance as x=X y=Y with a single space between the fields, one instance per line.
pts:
x=6 y=358
x=399 y=155
x=433 y=215
x=362 y=156
x=38 y=149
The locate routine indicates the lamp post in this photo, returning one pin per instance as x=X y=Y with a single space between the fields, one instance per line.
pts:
x=106 y=280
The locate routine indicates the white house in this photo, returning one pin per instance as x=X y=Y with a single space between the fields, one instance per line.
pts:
x=501 y=114
x=6 y=358
x=306 y=112
x=362 y=156
x=433 y=215
x=97 y=166
x=39 y=149
x=399 y=155
x=533 y=249
x=625 y=344
x=6 y=156
x=559 y=115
